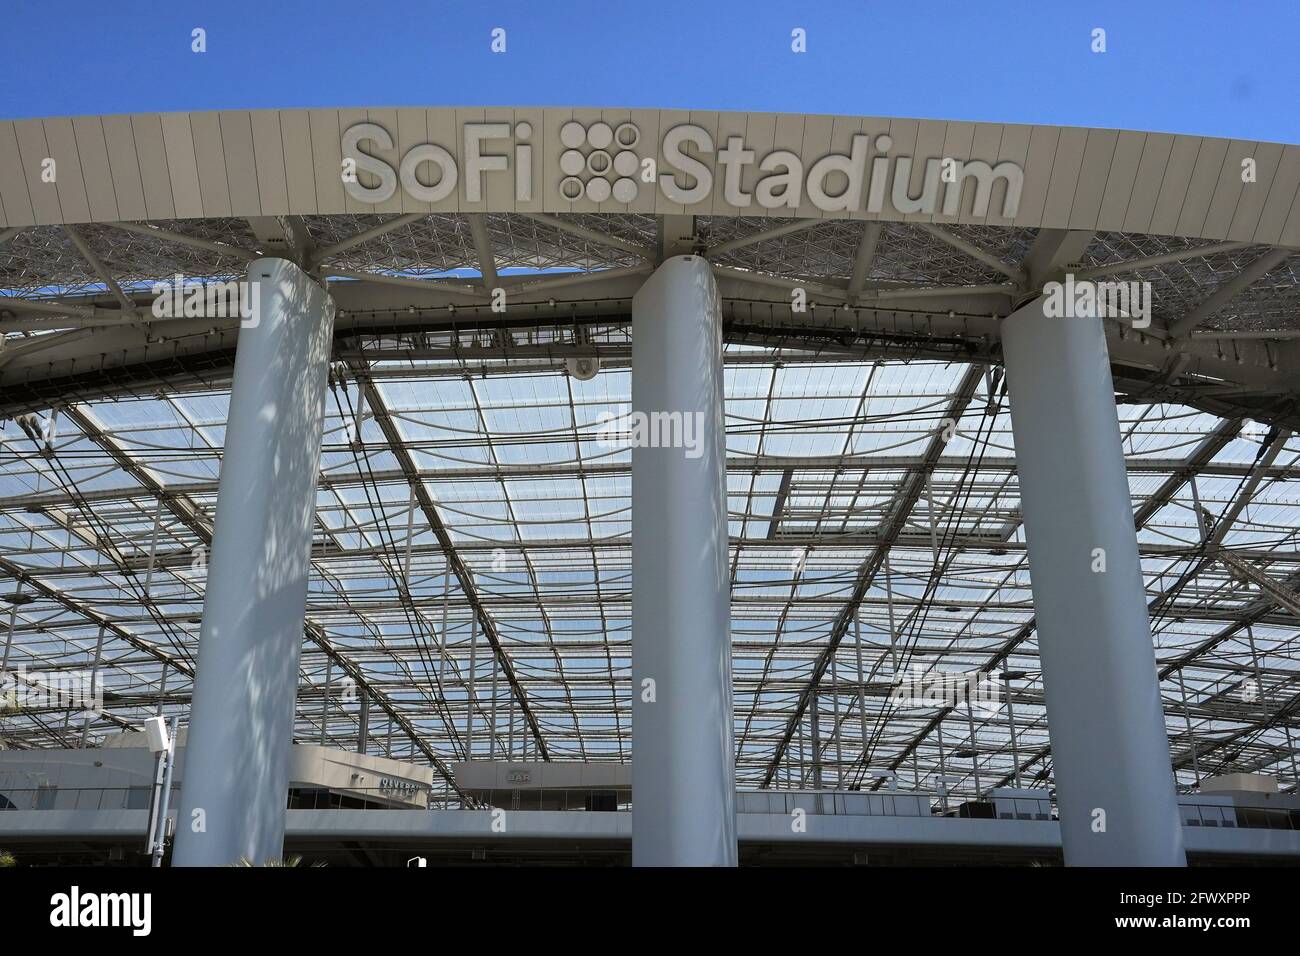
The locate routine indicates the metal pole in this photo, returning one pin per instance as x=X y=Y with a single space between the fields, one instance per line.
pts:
x=835 y=726
x=155 y=802
x=683 y=780
x=360 y=418
x=943 y=767
x=492 y=733
x=94 y=683
x=510 y=744
x=442 y=644
x=815 y=721
x=1115 y=785
x=410 y=528
x=9 y=641
x=469 y=687
x=162 y=687
x=1295 y=770
x=889 y=604
x=1196 y=504
x=363 y=723
x=241 y=719
x=325 y=699
x=153 y=549
x=1011 y=720
x=803 y=767
x=974 y=750
x=934 y=529
x=164 y=803
x=1187 y=721
x=862 y=686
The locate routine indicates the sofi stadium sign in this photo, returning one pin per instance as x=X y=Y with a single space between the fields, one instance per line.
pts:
x=602 y=162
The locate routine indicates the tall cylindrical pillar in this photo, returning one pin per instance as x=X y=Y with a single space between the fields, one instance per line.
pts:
x=683 y=781
x=1110 y=752
x=236 y=770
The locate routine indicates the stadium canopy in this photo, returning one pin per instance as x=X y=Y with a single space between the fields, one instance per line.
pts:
x=470 y=570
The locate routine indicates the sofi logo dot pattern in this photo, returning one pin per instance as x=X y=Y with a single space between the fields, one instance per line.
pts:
x=599 y=161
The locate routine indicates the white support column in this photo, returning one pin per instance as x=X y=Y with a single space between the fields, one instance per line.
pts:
x=241 y=722
x=683 y=781
x=1114 y=781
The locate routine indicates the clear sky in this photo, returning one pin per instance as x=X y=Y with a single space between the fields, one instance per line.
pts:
x=1215 y=67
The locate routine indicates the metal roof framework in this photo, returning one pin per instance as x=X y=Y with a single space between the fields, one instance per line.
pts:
x=471 y=567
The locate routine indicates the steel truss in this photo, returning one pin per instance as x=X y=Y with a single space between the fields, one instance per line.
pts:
x=472 y=551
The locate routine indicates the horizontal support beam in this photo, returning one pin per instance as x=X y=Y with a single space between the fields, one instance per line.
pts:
x=1229 y=290
x=591 y=235
x=1248 y=378
x=741 y=242
x=449 y=287
x=1014 y=273
x=1162 y=259
x=735 y=465
x=328 y=252
x=194 y=242
x=1282 y=595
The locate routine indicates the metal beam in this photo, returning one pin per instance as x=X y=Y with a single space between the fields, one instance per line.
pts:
x=325 y=253
x=464 y=578
x=29 y=577
x=739 y=464
x=19 y=304
x=487 y=263
x=380 y=278
x=741 y=242
x=1279 y=593
x=1014 y=273
x=811 y=286
x=1053 y=251
x=1229 y=290
x=180 y=506
x=180 y=238
x=591 y=235
x=1164 y=258
x=910 y=491
x=1225 y=522
x=1196 y=462
x=101 y=270
x=778 y=507
x=531 y=285
x=864 y=258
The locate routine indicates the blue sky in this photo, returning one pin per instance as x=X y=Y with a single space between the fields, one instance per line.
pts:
x=1225 y=68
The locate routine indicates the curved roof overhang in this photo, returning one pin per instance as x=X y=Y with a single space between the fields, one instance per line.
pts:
x=244 y=163
x=1010 y=206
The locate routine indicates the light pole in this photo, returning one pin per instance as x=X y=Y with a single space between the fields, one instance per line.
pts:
x=163 y=745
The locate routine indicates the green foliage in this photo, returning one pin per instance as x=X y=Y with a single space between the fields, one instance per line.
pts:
x=287 y=861
x=7 y=859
